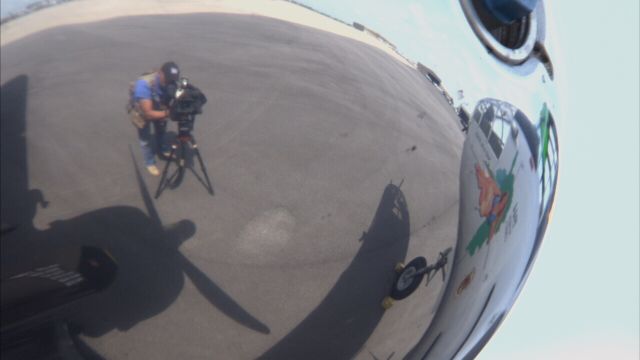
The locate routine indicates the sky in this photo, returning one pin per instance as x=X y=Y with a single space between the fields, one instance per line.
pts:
x=8 y=7
x=582 y=298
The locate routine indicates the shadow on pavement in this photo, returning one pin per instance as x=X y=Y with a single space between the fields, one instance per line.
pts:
x=151 y=269
x=350 y=312
x=18 y=203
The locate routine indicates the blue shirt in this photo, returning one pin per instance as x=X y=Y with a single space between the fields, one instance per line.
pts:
x=144 y=91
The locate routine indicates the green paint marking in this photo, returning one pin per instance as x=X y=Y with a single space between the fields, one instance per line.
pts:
x=544 y=132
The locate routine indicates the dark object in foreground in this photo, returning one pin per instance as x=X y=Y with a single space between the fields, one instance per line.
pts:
x=34 y=303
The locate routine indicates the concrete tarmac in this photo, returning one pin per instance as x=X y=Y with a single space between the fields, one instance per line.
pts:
x=330 y=162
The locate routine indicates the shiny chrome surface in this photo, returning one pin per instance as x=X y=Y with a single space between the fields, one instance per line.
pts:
x=334 y=159
x=511 y=55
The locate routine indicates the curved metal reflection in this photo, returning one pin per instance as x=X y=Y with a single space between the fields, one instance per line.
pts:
x=353 y=160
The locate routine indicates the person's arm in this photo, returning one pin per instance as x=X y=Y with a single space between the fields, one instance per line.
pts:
x=146 y=106
x=142 y=94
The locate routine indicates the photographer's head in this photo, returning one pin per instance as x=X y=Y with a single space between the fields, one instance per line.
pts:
x=169 y=73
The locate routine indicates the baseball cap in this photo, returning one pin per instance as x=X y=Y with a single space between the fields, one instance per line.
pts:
x=171 y=71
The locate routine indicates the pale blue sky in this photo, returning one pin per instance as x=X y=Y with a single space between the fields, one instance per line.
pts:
x=582 y=298
x=13 y=6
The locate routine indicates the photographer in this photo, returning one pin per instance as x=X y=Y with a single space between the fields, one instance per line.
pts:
x=149 y=100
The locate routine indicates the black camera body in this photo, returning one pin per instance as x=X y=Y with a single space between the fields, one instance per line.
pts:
x=185 y=102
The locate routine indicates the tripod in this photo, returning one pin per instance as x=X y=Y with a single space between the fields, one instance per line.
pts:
x=178 y=151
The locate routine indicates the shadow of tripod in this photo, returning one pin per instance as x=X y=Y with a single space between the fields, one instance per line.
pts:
x=179 y=147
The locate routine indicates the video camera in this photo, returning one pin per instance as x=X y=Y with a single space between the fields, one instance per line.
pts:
x=184 y=101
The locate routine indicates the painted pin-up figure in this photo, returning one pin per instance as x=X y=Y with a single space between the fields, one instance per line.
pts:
x=494 y=202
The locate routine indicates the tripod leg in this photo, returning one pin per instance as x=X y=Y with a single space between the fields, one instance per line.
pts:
x=163 y=179
x=174 y=180
x=202 y=167
x=182 y=158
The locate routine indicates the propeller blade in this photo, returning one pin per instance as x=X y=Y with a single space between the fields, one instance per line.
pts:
x=218 y=298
